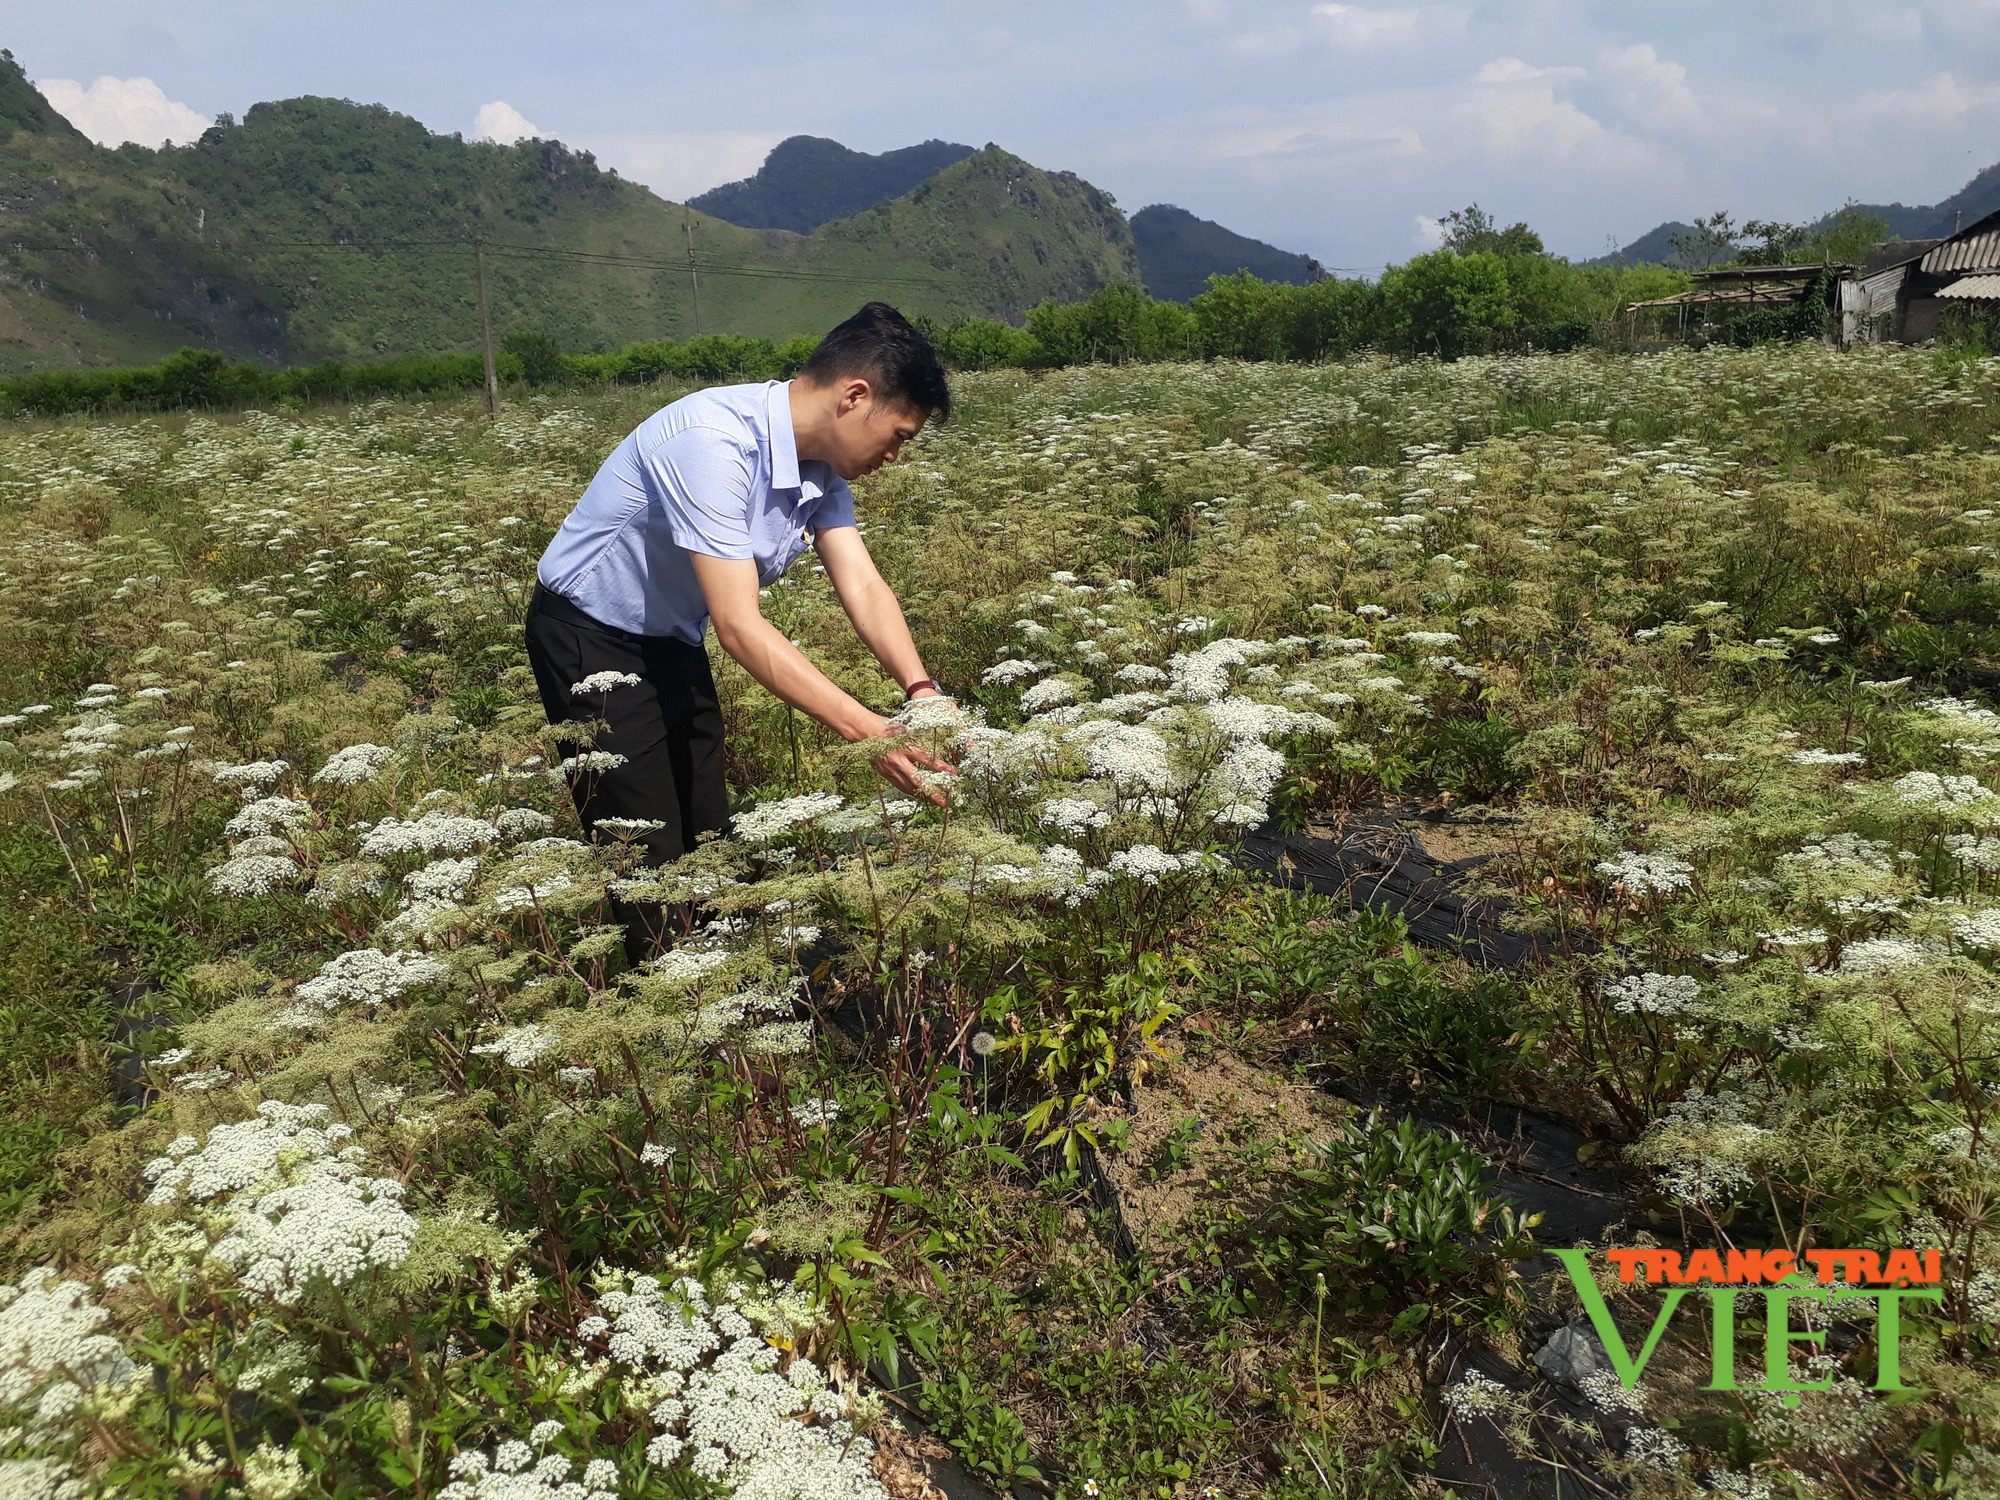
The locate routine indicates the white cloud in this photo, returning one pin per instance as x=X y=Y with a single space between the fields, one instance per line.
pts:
x=1352 y=28
x=680 y=164
x=1321 y=135
x=1359 y=26
x=503 y=124
x=1430 y=232
x=1650 y=91
x=1513 y=70
x=1941 y=99
x=113 y=111
x=1516 y=107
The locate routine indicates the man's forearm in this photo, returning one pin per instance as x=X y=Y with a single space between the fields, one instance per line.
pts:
x=878 y=620
x=781 y=667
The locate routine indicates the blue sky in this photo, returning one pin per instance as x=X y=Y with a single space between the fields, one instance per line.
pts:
x=1336 y=129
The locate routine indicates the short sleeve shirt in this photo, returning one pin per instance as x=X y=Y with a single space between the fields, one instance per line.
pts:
x=718 y=473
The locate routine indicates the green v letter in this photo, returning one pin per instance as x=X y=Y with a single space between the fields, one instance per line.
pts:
x=1577 y=1263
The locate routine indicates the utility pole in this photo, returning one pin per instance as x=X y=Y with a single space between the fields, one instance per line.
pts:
x=486 y=328
x=687 y=225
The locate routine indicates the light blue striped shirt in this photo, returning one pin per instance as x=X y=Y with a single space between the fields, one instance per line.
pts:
x=717 y=473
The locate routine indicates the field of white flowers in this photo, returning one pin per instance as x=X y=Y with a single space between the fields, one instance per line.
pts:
x=344 y=1156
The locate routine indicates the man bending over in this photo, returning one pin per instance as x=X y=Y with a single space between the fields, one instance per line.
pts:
x=707 y=501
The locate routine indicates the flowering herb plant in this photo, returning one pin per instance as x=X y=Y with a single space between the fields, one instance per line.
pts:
x=415 y=1183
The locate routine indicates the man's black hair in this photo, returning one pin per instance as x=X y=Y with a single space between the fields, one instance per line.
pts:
x=879 y=345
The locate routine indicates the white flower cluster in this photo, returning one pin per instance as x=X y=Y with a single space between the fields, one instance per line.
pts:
x=1655 y=1447
x=1656 y=994
x=1814 y=757
x=51 y=1348
x=1475 y=1394
x=1981 y=930
x=603 y=682
x=767 y=820
x=520 y=1046
x=724 y=1408
x=1960 y=798
x=1969 y=728
x=1204 y=674
x=1075 y=816
x=443 y=879
x=353 y=765
x=297 y=1203
x=431 y=834
x=365 y=976
x=1007 y=673
x=1132 y=757
x=816 y=1114
x=1048 y=694
x=267 y=815
x=1978 y=853
x=252 y=874
x=257 y=773
x=513 y=1473
x=1244 y=781
x=1148 y=863
x=932 y=716
x=1647 y=874
x=595 y=762
x=1737 y=1485
x=1608 y=1393
x=1882 y=955
x=1707 y=1149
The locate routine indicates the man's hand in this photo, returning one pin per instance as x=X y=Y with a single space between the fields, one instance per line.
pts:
x=730 y=586
x=901 y=765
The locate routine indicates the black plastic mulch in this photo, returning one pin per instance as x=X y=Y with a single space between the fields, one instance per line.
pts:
x=1380 y=865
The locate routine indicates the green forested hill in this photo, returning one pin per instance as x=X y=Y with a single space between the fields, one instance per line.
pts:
x=121 y=256
x=808 y=180
x=1016 y=234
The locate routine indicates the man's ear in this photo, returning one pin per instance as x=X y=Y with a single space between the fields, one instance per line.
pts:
x=855 y=392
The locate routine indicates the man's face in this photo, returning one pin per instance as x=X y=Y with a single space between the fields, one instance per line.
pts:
x=868 y=433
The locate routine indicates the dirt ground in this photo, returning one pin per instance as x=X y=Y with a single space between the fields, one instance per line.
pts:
x=1209 y=1129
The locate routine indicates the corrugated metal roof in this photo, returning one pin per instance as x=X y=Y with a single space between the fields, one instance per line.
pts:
x=1979 y=288
x=1975 y=252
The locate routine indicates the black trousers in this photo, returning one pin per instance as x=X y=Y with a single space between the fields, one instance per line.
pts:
x=668 y=728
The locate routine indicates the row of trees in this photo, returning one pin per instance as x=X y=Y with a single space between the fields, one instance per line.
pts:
x=1486 y=289
x=202 y=378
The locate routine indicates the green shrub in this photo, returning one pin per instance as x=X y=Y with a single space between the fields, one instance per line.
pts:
x=1392 y=1209
x=540 y=356
x=1448 y=305
x=1470 y=757
x=1118 y=325
x=981 y=344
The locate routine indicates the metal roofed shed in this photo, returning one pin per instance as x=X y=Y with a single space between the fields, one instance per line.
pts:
x=1714 y=306
x=1904 y=292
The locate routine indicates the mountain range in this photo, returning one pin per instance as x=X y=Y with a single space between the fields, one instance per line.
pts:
x=808 y=181
x=316 y=228
x=1979 y=197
